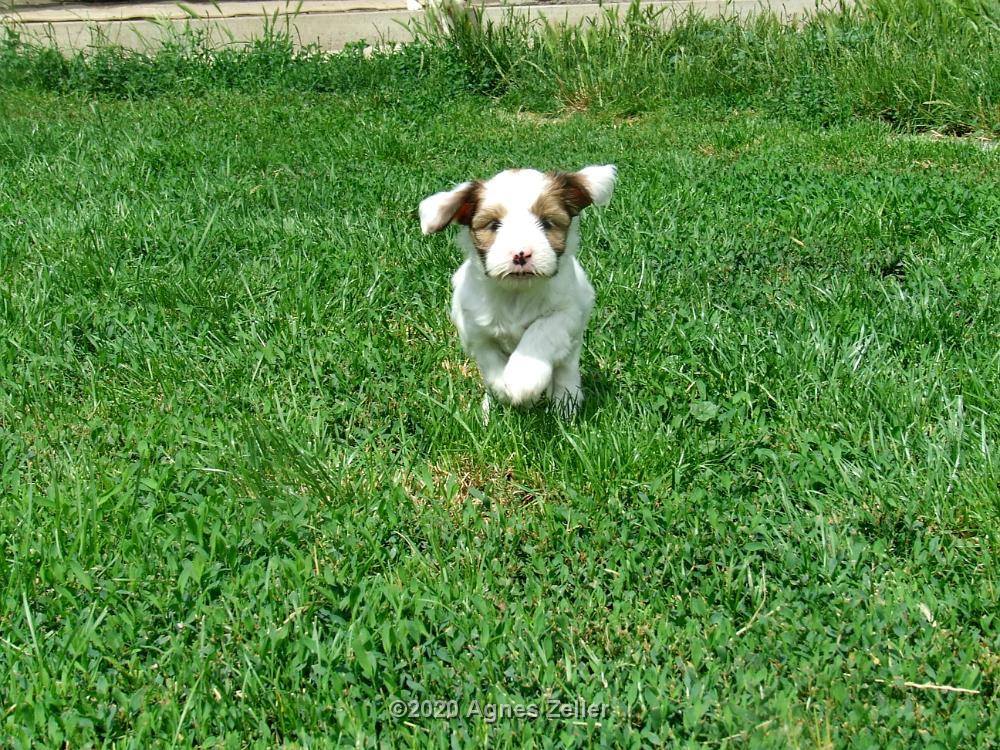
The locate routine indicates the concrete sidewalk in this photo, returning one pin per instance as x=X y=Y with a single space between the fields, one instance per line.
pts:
x=329 y=23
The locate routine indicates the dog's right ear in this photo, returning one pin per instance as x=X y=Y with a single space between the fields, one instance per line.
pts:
x=456 y=205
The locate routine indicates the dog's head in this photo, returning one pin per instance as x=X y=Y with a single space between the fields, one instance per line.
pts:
x=521 y=222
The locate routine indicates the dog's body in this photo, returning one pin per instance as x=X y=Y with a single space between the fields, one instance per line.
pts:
x=521 y=299
x=525 y=341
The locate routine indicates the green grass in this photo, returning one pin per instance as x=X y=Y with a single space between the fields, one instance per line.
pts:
x=915 y=64
x=246 y=499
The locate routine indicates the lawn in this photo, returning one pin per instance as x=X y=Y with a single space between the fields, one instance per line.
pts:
x=247 y=499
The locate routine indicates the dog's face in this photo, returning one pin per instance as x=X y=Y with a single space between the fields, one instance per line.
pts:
x=521 y=222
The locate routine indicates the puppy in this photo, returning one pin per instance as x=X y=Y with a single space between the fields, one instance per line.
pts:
x=521 y=298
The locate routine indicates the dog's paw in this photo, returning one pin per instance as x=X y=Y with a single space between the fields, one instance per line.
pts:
x=526 y=378
x=496 y=388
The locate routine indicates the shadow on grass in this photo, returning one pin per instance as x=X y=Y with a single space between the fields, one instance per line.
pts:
x=599 y=390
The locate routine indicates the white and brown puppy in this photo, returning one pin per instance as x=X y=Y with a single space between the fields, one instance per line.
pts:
x=522 y=300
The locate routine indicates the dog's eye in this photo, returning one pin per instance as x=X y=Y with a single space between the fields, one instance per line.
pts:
x=546 y=224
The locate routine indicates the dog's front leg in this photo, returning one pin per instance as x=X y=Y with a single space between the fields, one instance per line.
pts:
x=492 y=363
x=566 y=392
x=546 y=343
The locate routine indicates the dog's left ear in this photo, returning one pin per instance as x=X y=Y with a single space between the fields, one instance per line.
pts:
x=591 y=185
x=441 y=209
x=600 y=182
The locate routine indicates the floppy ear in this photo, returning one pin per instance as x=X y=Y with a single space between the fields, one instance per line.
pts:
x=600 y=182
x=590 y=185
x=441 y=209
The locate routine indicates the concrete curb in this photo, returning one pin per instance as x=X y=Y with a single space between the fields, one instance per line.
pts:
x=331 y=24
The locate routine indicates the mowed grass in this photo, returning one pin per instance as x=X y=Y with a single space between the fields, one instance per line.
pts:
x=248 y=500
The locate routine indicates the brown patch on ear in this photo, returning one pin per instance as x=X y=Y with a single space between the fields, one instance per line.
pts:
x=572 y=190
x=470 y=202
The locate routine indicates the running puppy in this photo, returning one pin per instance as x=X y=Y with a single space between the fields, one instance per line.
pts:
x=522 y=300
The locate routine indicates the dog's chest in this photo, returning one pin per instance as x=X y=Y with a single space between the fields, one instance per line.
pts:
x=506 y=320
x=500 y=316
x=508 y=338
x=508 y=324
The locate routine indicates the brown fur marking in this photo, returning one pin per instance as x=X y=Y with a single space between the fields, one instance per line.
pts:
x=482 y=235
x=573 y=190
x=563 y=199
x=470 y=202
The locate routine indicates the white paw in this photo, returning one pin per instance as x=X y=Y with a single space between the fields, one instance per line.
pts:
x=526 y=378
x=497 y=388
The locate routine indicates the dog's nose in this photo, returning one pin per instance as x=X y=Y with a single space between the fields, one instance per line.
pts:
x=521 y=258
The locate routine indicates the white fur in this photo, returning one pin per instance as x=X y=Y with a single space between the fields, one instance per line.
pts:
x=601 y=181
x=524 y=331
x=437 y=211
